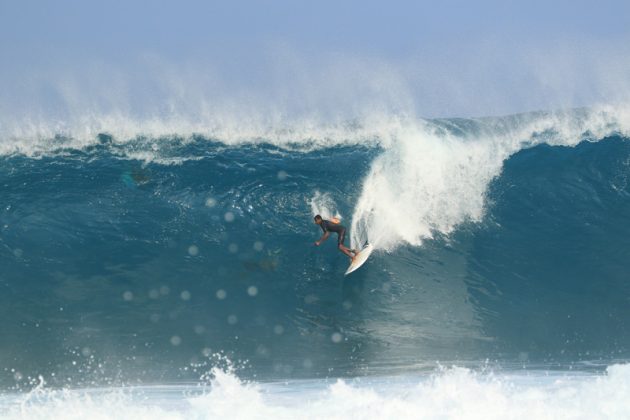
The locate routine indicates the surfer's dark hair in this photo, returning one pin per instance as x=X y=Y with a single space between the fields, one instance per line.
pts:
x=317 y=218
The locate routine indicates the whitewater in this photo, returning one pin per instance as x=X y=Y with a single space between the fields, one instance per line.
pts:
x=453 y=393
x=134 y=251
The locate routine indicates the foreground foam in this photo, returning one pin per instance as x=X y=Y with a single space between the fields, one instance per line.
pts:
x=453 y=393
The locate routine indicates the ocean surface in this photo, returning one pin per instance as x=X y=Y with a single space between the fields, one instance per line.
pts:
x=172 y=274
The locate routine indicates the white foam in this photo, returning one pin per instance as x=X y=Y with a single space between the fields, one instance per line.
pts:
x=455 y=393
x=34 y=138
x=431 y=180
x=31 y=136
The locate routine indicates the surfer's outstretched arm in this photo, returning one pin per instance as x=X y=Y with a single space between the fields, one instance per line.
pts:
x=323 y=238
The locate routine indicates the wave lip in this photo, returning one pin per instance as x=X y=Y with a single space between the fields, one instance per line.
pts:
x=31 y=136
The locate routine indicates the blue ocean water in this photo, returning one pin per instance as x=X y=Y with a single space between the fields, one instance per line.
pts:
x=501 y=247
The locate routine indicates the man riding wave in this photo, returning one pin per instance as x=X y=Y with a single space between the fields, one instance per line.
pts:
x=334 y=225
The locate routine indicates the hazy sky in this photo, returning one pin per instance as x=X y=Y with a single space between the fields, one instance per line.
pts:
x=437 y=58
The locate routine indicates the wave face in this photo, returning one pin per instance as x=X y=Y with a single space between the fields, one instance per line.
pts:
x=134 y=260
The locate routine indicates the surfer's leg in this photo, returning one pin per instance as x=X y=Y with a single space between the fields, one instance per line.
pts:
x=349 y=252
x=346 y=251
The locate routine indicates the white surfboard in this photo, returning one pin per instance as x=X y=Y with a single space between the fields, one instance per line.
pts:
x=360 y=258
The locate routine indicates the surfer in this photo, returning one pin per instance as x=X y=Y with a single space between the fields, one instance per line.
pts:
x=334 y=226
